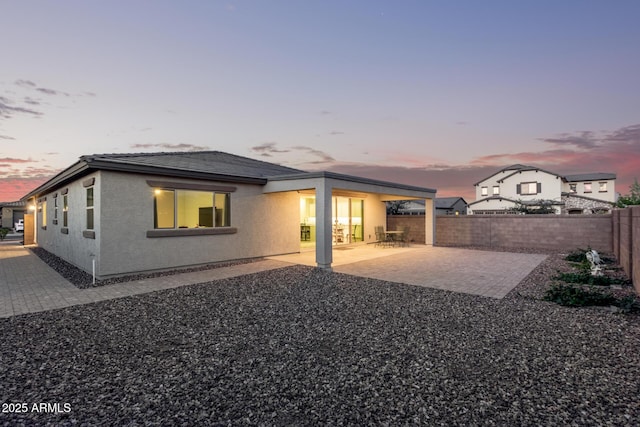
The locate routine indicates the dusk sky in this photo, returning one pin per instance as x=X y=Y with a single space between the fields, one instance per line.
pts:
x=438 y=94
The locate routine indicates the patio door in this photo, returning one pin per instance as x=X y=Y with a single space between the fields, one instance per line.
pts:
x=347 y=220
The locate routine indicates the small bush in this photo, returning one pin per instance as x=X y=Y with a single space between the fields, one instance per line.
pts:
x=579 y=255
x=585 y=278
x=3 y=233
x=574 y=296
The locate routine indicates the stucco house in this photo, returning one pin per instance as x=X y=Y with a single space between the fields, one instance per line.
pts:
x=11 y=213
x=127 y=213
x=530 y=185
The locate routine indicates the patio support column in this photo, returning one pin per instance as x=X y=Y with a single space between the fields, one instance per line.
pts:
x=429 y=222
x=324 y=255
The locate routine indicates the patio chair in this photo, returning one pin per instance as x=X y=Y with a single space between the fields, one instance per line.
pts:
x=381 y=236
x=404 y=237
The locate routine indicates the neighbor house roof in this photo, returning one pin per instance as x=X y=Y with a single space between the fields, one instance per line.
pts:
x=447 y=202
x=598 y=176
x=212 y=165
x=517 y=168
x=18 y=204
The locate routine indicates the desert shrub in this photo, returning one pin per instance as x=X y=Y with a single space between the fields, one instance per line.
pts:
x=3 y=233
x=579 y=255
x=574 y=296
x=585 y=278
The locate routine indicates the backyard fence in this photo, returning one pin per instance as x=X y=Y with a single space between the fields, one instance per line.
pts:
x=617 y=233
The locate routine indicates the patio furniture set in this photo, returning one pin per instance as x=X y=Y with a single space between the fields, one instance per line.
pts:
x=390 y=238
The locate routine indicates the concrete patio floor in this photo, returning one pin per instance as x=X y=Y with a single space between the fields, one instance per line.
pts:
x=477 y=272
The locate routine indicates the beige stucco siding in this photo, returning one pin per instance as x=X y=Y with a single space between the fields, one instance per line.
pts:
x=71 y=246
x=266 y=224
x=608 y=196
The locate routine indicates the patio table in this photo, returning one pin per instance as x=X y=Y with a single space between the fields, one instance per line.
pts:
x=391 y=236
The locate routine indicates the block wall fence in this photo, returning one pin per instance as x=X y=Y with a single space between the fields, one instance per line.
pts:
x=617 y=233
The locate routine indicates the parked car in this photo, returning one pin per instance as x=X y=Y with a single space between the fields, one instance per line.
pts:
x=19 y=226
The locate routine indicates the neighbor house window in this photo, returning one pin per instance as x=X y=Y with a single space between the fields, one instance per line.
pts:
x=529 y=188
x=90 y=208
x=602 y=187
x=55 y=209
x=587 y=187
x=65 y=211
x=572 y=188
x=484 y=191
x=496 y=190
x=191 y=209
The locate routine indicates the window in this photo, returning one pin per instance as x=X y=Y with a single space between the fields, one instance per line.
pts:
x=55 y=209
x=44 y=214
x=529 y=188
x=65 y=211
x=90 y=208
x=572 y=188
x=587 y=187
x=602 y=187
x=484 y=191
x=496 y=190
x=191 y=209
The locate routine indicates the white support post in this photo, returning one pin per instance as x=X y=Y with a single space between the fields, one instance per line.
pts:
x=429 y=222
x=324 y=230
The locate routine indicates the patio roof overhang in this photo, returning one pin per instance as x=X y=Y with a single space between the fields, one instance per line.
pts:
x=348 y=184
x=327 y=184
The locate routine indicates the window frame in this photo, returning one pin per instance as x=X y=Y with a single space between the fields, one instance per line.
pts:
x=588 y=187
x=602 y=187
x=484 y=191
x=496 y=190
x=528 y=185
x=176 y=187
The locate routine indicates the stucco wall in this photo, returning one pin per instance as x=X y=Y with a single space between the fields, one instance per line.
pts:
x=267 y=224
x=71 y=246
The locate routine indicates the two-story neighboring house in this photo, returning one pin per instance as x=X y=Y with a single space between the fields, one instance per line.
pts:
x=530 y=185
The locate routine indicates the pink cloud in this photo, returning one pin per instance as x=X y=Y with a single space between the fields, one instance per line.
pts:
x=13 y=189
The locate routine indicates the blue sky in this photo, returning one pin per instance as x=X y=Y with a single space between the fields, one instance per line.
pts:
x=432 y=93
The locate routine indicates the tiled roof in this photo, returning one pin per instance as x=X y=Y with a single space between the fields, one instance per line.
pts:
x=589 y=177
x=208 y=162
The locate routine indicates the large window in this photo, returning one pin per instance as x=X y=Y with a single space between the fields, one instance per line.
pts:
x=529 y=188
x=191 y=209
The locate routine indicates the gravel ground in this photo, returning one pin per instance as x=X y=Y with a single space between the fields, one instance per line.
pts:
x=300 y=346
x=83 y=280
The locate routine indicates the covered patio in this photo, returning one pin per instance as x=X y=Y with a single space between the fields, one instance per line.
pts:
x=325 y=186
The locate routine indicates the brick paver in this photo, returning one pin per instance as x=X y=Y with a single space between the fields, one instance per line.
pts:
x=28 y=285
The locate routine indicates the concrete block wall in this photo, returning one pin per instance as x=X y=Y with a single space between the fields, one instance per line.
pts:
x=415 y=223
x=635 y=247
x=618 y=232
x=554 y=232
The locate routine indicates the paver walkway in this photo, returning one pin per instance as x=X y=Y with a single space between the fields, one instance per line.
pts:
x=28 y=284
